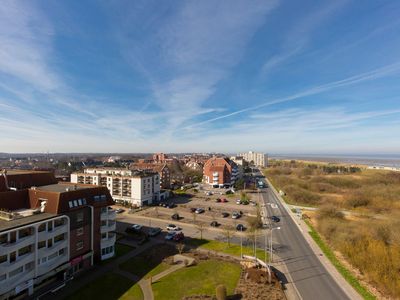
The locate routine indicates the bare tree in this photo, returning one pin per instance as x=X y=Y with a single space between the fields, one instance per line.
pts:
x=180 y=247
x=201 y=228
x=228 y=232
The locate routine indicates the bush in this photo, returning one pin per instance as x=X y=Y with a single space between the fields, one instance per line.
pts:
x=329 y=211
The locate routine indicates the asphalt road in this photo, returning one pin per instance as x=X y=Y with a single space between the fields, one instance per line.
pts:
x=309 y=276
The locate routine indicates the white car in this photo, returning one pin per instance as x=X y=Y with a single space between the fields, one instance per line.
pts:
x=136 y=227
x=199 y=210
x=238 y=201
x=235 y=215
x=173 y=227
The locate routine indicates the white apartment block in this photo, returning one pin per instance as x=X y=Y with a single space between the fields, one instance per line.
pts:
x=259 y=159
x=126 y=186
x=32 y=253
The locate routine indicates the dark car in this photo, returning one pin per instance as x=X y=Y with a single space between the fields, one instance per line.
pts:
x=193 y=209
x=240 y=227
x=178 y=237
x=214 y=224
x=154 y=231
x=275 y=219
x=120 y=211
x=225 y=214
x=223 y=200
x=218 y=200
x=175 y=217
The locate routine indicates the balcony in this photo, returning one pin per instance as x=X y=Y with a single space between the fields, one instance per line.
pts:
x=52 y=264
x=107 y=228
x=43 y=252
x=12 y=282
x=23 y=242
x=44 y=235
x=109 y=215
x=19 y=262
x=110 y=241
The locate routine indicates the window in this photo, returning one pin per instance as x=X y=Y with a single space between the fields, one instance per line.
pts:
x=71 y=204
x=52 y=256
x=41 y=244
x=84 y=201
x=103 y=197
x=61 y=252
x=104 y=236
x=3 y=277
x=103 y=210
x=29 y=266
x=24 y=232
x=44 y=259
x=79 y=231
x=13 y=256
x=49 y=243
x=3 y=258
x=103 y=223
x=75 y=203
x=80 y=201
x=59 y=238
x=96 y=198
x=79 y=217
x=50 y=226
x=79 y=245
x=3 y=238
x=42 y=227
x=58 y=222
x=16 y=271
x=25 y=250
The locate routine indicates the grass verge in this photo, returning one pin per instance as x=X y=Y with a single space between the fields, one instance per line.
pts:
x=201 y=279
x=350 y=278
x=223 y=247
x=109 y=286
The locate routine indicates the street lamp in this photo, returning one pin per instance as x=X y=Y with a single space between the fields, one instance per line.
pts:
x=271 y=256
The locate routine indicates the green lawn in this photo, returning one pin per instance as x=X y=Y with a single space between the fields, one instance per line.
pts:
x=143 y=268
x=120 y=250
x=223 y=247
x=109 y=286
x=198 y=280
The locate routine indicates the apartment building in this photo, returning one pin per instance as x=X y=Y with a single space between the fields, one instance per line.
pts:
x=161 y=168
x=50 y=230
x=220 y=172
x=133 y=187
x=259 y=159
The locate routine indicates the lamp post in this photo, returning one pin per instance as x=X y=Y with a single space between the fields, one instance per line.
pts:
x=271 y=256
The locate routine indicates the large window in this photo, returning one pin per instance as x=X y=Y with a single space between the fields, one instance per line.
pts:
x=25 y=250
x=42 y=227
x=58 y=222
x=3 y=258
x=41 y=244
x=16 y=271
x=59 y=238
x=3 y=238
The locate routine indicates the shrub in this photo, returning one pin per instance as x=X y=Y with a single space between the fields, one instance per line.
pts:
x=329 y=211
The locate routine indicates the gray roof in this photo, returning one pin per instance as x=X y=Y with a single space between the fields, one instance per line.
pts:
x=62 y=188
x=6 y=225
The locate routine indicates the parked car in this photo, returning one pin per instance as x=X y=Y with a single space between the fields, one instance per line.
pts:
x=193 y=209
x=238 y=201
x=214 y=224
x=218 y=200
x=275 y=219
x=240 y=227
x=225 y=214
x=199 y=210
x=154 y=231
x=136 y=227
x=170 y=235
x=235 y=215
x=223 y=200
x=119 y=210
x=175 y=217
x=173 y=227
x=178 y=236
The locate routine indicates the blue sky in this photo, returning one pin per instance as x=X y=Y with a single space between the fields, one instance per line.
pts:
x=181 y=76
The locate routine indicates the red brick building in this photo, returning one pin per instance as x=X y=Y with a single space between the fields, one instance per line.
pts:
x=220 y=171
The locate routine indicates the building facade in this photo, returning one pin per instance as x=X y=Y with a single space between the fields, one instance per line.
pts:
x=161 y=168
x=51 y=231
x=259 y=159
x=132 y=187
x=220 y=172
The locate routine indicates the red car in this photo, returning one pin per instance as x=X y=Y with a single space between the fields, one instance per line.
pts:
x=178 y=237
x=224 y=200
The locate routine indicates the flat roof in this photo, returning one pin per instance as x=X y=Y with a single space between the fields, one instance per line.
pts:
x=19 y=172
x=6 y=225
x=63 y=187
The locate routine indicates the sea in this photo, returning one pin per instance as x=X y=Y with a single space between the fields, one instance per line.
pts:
x=392 y=160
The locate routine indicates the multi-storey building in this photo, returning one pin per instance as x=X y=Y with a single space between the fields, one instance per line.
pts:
x=133 y=187
x=50 y=230
x=161 y=168
x=259 y=159
x=220 y=172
